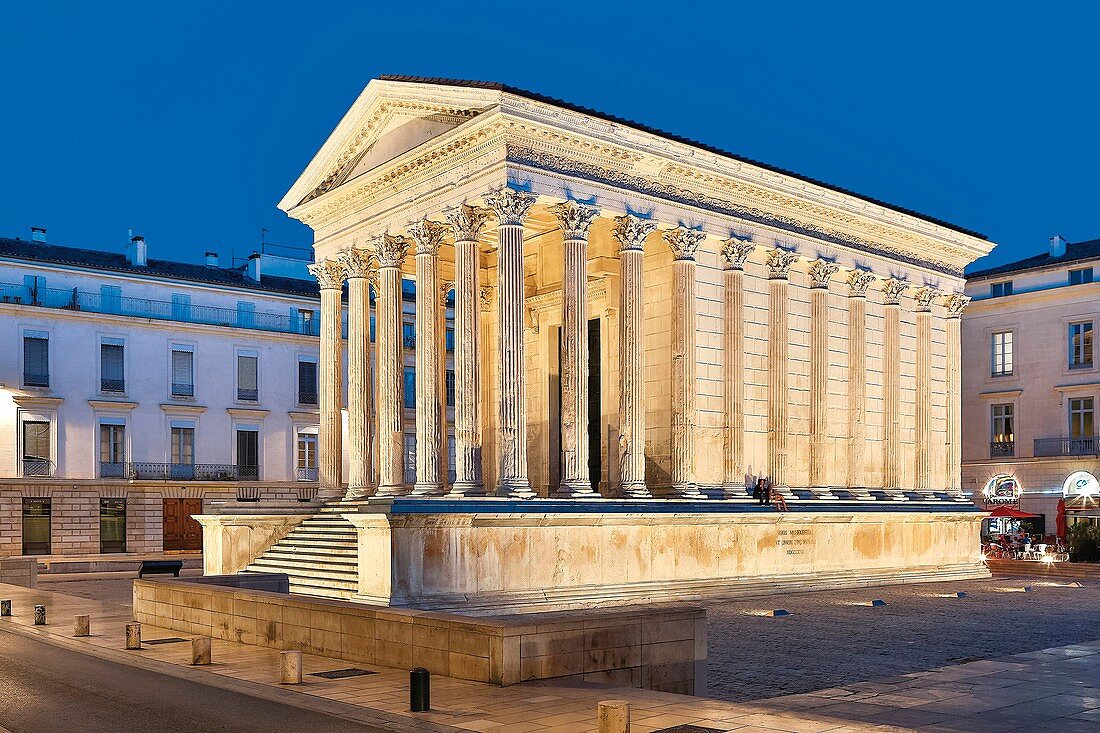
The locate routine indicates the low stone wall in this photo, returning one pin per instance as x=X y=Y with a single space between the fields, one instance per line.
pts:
x=1045 y=569
x=654 y=648
x=19 y=571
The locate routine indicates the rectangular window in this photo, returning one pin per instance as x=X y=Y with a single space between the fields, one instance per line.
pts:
x=112 y=451
x=36 y=360
x=1002 y=434
x=410 y=388
x=112 y=377
x=181 y=307
x=306 y=457
x=36 y=448
x=1080 y=345
x=449 y=339
x=183 y=372
x=307 y=320
x=248 y=454
x=112 y=525
x=1081 y=418
x=452 y=470
x=248 y=378
x=183 y=452
x=1081 y=276
x=307 y=382
x=246 y=314
x=408 y=335
x=450 y=384
x=998 y=290
x=410 y=458
x=36 y=526
x=1002 y=354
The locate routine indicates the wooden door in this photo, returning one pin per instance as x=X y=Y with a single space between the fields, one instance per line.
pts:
x=192 y=530
x=181 y=532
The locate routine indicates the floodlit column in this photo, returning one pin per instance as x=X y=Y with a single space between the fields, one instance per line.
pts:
x=631 y=233
x=574 y=220
x=779 y=269
x=357 y=265
x=444 y=452
x=429 y=397
x=390 y=252
x=820 y=272
x=923 y=464
x=330 y=277
x=892 y=290
x=734 y=253
x=511 y=208
x=467 y=223
x=858 y=282
x=955 y=304
x=684 y=243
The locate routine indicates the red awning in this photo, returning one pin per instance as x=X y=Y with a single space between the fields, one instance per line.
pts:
x=1007 y=511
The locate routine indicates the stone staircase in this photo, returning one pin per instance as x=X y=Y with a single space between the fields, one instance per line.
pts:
x=320 y=555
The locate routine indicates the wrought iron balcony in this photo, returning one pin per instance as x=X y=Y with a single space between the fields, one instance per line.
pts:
x=38 y=467
x=110 y=469
x=36 y=380
x=180 y=389
x=1002 y=448
x=248 y=395
x=1087 y=446
x=307 y=397
x=112 y=385
x=305 y=474
x=192 y=472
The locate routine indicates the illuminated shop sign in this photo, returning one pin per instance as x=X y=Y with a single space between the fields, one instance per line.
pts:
x=1081 y=484
x=1002 y=490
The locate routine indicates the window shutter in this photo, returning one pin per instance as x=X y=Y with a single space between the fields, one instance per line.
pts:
x=36 y=361
x=182 y=372
x=36 y=440
x=246 y=372
x=112 y=365
x=307 y=382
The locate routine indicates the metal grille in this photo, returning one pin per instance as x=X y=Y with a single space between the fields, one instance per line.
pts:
x=339 y=674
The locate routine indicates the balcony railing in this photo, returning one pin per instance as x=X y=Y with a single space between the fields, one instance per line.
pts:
x=109 y=469
x=305 y=474
x=36 y=380
x=191 y=472
x=1002 y=448
x=39 y=467
x=112 y=385
x=180 y=389
x=307 y=398
x=248 y=395
x=1088 y=446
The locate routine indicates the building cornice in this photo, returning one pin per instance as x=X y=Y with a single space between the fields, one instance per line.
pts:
x=251 y=413
x=37 y=402
x=117 y=405
x=173 y=409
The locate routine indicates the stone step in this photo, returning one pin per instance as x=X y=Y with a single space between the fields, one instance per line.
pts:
x=306 y=589
x=331 y=563
x=317 y=551
x=321 y=534
x=302 y=573
x=311 y=546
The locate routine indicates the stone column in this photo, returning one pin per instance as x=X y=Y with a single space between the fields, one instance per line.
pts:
x=444 y=452
x=574 y=219
x=391 y=252
x=858 y=282
x=429 y=397
x=955 y=304
x=511 y=209
x=684 y=243
x=820 y=272
x=892 y=290
x=923 y=480
x=631 y=233
x=467 y=223
x=735 y=251
x=779 y=269
x=330 y=277
x=358 y=264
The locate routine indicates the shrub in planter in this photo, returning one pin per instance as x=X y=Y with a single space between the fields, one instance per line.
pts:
x=1083 y=541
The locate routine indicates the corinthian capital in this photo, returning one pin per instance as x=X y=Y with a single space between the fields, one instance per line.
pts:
x=486 y=297
x=467 y=221
x=632 y=232
x=821 y=271
x=955 y=303
x=735 y=251
x=428 y=235
x=779 y=263
x=892 y=290
x=858 y=282
x=445 y=288
x=684 y=242
x=924 y=297
x=391 y=250
x=356 y=262
x=329 y=274
x=574 y=218
x=510 y=206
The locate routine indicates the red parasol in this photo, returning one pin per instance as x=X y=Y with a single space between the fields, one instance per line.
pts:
x=1007 y=511
x=1060 y=519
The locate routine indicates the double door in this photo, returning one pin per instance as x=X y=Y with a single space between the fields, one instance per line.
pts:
x=181 y=532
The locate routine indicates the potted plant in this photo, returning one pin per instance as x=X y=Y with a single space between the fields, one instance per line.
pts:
x=1083 y=541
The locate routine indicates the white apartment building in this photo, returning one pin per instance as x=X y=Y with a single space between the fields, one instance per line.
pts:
x=1031 y=382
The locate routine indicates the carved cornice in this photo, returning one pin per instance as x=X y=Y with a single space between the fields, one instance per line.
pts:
x=575 y=218
x=391 y=250
x=924 y=297
x=486 y=297
x=357 y=262
x=467 y=222
x=329 y=273
x=632 y=232
x=892 y=290
x=684 y=242
x=858 y=282
x=735 y=251
x=428 y=235
x=820 y=272
x=779 y=263
x=510 y=206
x=956 y=303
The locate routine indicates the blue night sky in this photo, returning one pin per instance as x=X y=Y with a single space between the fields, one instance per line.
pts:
x=188 y=121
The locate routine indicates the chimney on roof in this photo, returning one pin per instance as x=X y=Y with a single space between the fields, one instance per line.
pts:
x=1057 y=246
x=211 y=259
x=38 y=234
x=253 y=271
x=136 y=251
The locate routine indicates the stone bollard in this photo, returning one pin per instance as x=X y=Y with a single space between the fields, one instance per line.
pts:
x=5 y=607
x=133 y=636
x=39 y=615
x=290 y=668
x=613 y=716
x=200 y=650
x=82 y=626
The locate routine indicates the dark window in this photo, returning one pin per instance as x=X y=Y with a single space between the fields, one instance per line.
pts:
x=450 y=339
x=36 y=526
x=36 y=448
x=1080 y=345
x=307 y=382
x=183 y=373
x=112 y=525
x=112 y=374
x=248 y=378
x=1080 y=277
x=410 y=388
x=248 y=455
x=36 y=361
x=408 y=335
x=450 y=388
x=997 y=290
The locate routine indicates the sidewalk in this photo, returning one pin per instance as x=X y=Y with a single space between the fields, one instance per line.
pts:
x=957 y=698
x=111 y=562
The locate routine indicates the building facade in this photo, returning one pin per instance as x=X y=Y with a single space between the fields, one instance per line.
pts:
x=1031 y=385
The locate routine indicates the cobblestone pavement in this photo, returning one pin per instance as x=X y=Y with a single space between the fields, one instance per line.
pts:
x=829 y=640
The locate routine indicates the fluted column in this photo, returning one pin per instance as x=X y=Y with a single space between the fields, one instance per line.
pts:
x=631 y=233
x=779 y=268
x=330 y=277
x=511 y=209
x=684 y=243
x=357 y=264
x=429 y=398
x=391 y=252
x=922 y=461
x=574 y=219
x=444 y=452
x=955 y=303
x=858 y=282
x=820 y=272
x=892 y=290
x=734 y=253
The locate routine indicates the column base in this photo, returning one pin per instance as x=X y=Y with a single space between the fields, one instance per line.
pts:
x=515 y=490
x=427 y=489
x=330 y=492
x=579 y=489
x=394 y=490
x=860 y=493
x=467 y=488
x=685 y=491
x=359 y=492
x=735 y=491
x=636 y=490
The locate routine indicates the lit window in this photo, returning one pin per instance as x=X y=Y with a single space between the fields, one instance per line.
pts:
x=1002 y=354
x=1080 y=345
